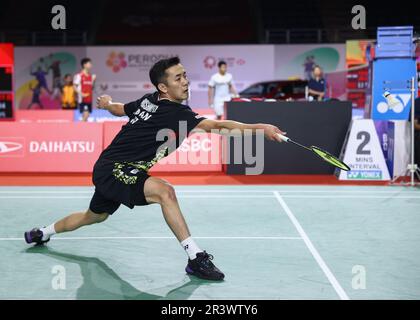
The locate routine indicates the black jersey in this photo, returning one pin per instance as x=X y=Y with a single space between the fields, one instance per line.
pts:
x=121 y=169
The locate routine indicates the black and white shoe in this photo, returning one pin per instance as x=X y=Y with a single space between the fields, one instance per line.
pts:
x=203 y=268
x=35 y=236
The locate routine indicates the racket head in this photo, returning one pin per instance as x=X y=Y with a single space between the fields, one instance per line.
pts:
x=328 y=157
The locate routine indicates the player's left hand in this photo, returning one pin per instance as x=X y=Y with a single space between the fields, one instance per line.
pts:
x=103 y=101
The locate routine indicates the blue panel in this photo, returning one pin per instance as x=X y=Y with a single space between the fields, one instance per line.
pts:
x=392 y=75
x=395 y=42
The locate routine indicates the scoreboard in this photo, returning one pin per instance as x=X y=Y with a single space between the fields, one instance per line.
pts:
x=6 y=81
x=357 y=85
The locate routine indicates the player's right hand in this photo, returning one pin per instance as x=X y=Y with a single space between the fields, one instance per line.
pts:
x=271 y=131
x=103 y=101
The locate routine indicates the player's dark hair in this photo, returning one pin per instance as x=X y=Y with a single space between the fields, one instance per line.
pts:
x=221 y=63
x=158 y=74
x=67 y=75
x=84 y=61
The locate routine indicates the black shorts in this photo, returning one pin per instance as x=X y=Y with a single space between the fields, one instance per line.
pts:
x=117 y=183
x=85 y=107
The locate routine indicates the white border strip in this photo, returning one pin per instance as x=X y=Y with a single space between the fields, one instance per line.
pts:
x=151 y=237
x=206 y=196
x=227 y=191
x=337 y=287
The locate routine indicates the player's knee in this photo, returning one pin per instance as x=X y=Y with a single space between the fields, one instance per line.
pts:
x=92 y=217
x=167 y=193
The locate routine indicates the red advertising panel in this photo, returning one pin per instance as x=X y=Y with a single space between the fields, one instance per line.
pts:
x=49 y=147
x=44 y=116
x=200 y=152
x=111 y=128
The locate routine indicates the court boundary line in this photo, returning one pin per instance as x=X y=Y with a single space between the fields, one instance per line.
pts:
x=330 y=276
x=221 y=191
x=206 y=196
x=161 y=237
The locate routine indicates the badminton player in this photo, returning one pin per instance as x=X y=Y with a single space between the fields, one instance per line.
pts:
x=121 y=174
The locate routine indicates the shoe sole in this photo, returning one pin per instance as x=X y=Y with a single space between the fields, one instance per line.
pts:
x=28 y=239
x=191 y=272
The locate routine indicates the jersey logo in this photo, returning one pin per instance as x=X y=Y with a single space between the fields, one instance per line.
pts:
x=148 y=106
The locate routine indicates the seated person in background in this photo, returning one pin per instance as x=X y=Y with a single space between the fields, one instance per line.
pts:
x=316 y=85
x=68 y=96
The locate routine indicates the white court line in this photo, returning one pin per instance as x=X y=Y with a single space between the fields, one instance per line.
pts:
x=130 y=238
x=337 y=287
x=228 y=191
x=204 y=196
x=355 y=196
x=89 y=197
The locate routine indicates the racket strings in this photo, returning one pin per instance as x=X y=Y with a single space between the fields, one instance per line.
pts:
x=330 y=158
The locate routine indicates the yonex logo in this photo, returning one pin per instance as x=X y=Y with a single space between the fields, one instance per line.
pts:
x=8 y=146
x=399 y=102
x=364 y=175
x=186 y=247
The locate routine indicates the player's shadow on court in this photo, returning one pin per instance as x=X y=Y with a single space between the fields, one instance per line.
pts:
x=101 y=282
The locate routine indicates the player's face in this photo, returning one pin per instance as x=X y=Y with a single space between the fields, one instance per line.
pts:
x=177 y=83
x=88 y=66
x=222 y=69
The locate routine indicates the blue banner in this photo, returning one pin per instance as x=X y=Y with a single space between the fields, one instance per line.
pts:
x=385 y=130
x=393 y=76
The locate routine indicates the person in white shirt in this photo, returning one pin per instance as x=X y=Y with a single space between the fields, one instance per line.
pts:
x=221 y=89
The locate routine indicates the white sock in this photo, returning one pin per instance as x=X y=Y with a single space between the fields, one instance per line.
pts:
x=191 y=248
x=48 y=232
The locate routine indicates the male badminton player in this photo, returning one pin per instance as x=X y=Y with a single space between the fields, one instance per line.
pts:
x=121 y=174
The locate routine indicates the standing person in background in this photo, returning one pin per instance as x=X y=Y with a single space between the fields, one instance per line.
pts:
x=83 y=84
x=68 y=96
x=220 y=89
x=316 y=85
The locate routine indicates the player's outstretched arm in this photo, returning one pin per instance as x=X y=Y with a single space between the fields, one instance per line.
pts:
x=270 y=131
x=115 y=108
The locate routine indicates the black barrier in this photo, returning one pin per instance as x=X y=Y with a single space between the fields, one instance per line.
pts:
x=323 y=124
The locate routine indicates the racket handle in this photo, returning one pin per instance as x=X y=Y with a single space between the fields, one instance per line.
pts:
x=282 y=137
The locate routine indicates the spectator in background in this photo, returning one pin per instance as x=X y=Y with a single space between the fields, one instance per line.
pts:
x=68 y=96
x=83 y=84
x=220 y=89
x=316 y=85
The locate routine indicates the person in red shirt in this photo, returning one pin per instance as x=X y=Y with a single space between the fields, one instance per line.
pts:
x=83 y=84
